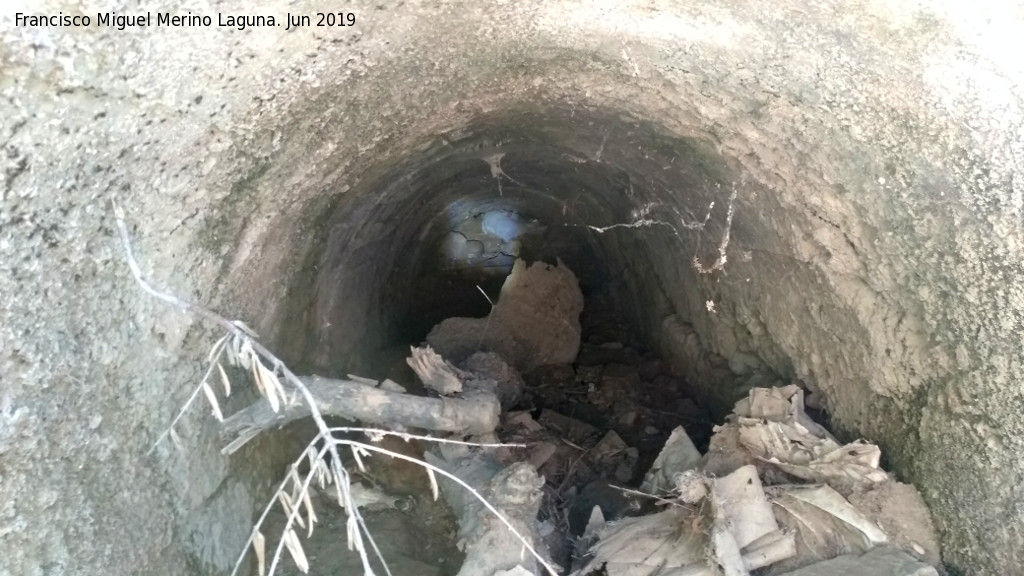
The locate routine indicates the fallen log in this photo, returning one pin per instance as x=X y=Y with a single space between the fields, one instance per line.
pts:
x=476 y=411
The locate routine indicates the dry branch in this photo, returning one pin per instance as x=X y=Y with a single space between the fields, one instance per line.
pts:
x=265 y=362
x=475 y=412
x=286 y=397
x=434 y=371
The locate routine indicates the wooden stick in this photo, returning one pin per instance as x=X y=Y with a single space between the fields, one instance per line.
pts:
x=475 y=412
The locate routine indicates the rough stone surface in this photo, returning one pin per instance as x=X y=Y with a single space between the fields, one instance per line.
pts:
x=535 y=322
x=491 y=365
x=460 y=338
x=540 y=307
x=899 y=510
x=302 y=181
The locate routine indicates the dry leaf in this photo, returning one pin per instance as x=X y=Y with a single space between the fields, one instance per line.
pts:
x=352 y=535
x=259 y=382
x=245 y=354
x=298 y=553
x=259 y=545
x=433 y=483
x=323 y=476
x=265 y=386
x=212 y=398
x=215 y=351
x=309 y=512
x=274 y=390
x=286 y=502
x=224 y=380
x=176 y=439
x=289 y=508
x=291 y=542
x=233 y=350
x=293 y=475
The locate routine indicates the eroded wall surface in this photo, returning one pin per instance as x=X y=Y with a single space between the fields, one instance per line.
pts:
x=871 y=156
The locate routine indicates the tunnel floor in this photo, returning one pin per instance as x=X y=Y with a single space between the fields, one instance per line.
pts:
x=619 y=444
x=589 y=425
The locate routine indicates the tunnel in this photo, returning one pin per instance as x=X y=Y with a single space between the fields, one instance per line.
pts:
x=826 y=193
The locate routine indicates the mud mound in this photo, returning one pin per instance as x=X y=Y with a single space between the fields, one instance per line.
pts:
x=534 y=323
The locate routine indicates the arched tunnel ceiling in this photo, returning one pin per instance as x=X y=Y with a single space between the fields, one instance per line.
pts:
x=580 y=174
x=874 y=254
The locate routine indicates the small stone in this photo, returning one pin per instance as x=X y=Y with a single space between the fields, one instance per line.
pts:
x=390 y=385
x=589 y=374
x=609 y=446
x=650 y=430
x=524 y=419
x=623 y=473
x=542 y=452
x=95 y=422
x=572 y=429
x=650 y=369
x=493 y=366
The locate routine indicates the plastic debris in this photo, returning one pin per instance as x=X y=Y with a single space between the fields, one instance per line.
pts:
x=773 y=428
x=877 y=562
x=746 y=534
x=656 y=545
x=825 y=523
x=743 y=507
x=678 y=456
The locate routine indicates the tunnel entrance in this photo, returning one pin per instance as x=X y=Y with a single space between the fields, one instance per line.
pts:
x=668 y=252
x=629 y=207
x=435 y=234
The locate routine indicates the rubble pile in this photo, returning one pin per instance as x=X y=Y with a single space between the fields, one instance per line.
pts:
x=775 y=494
x=616 y=471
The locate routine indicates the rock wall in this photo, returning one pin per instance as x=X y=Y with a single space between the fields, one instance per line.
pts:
x=864 y=162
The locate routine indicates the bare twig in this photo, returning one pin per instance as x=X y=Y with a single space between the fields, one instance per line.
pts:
x=372 y=432
x=195 y=394
x=241 y=342
x=487 y=324
x=239 y=331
